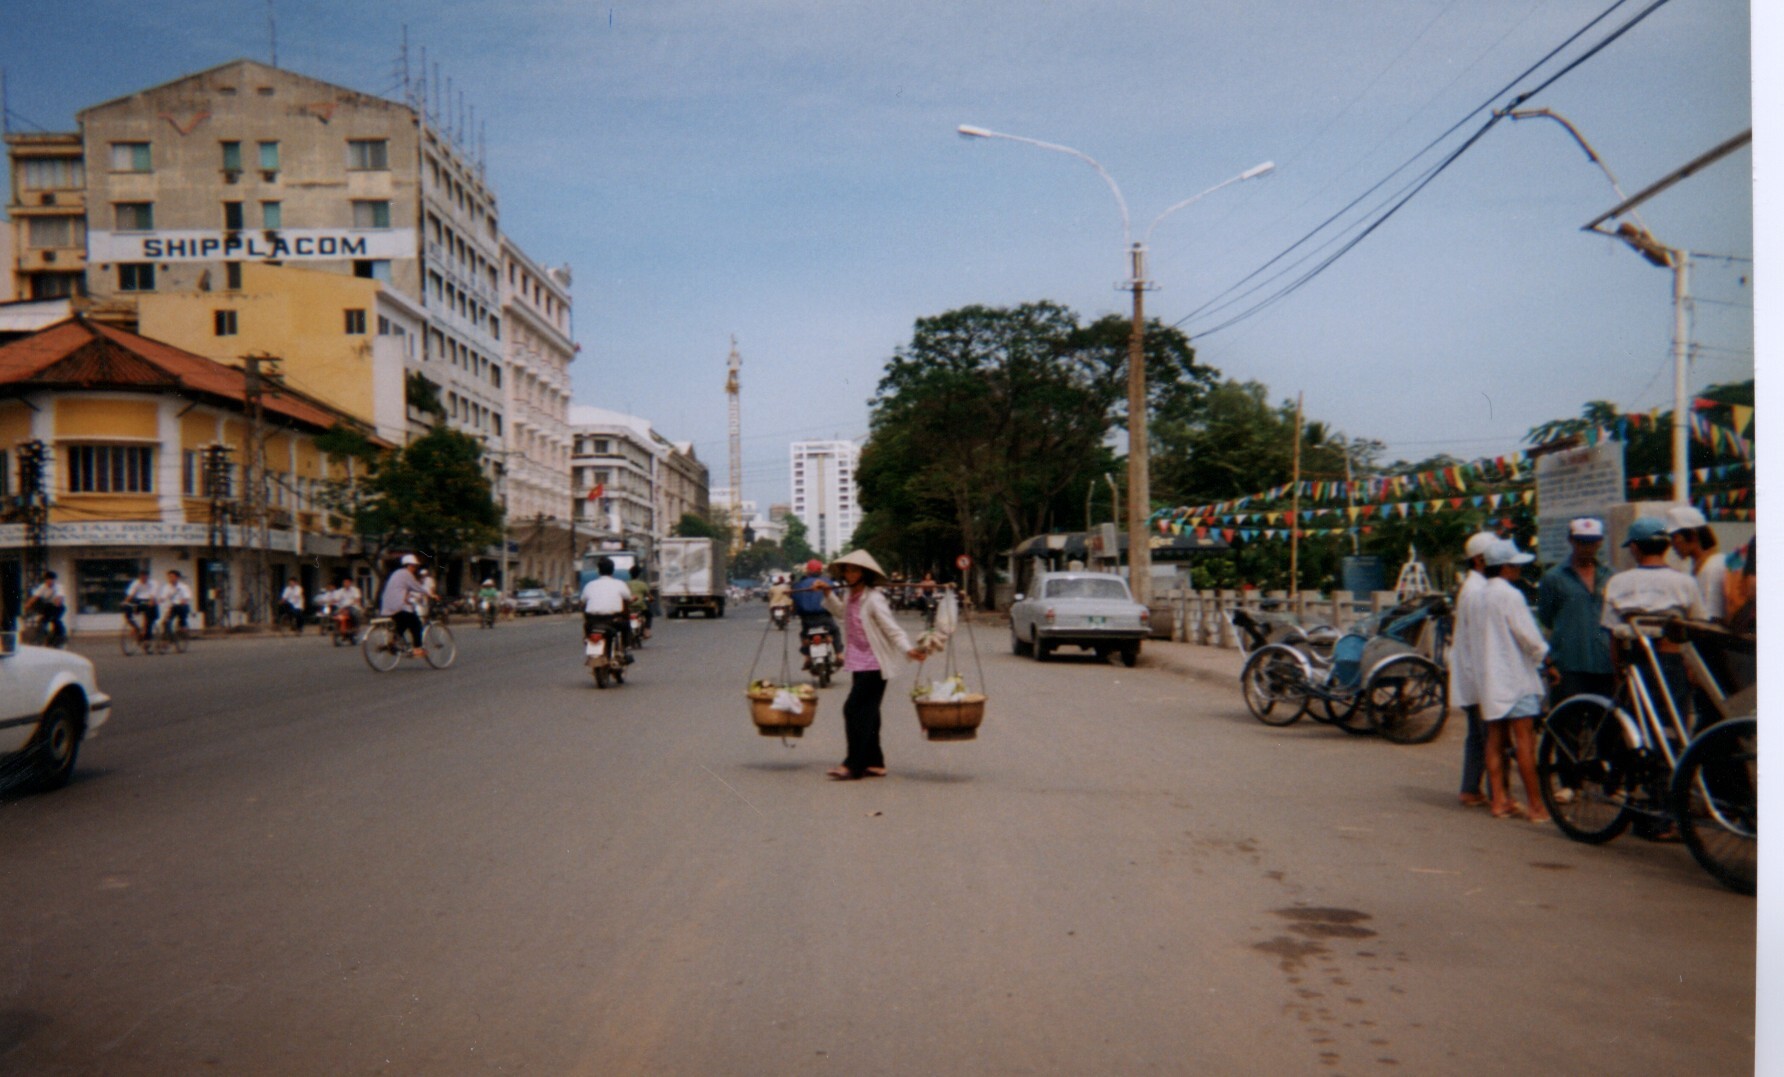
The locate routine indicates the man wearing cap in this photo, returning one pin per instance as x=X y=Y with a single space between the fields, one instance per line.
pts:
x=1464 y=687
x=1508 y=650
x=1570 y=604
x=1654 y=588
x=403 y=594
x=1694 y=540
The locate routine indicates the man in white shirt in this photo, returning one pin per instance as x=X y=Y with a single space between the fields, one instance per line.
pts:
x=346 y=596
x=177 y=597
x=142 y=602
x=52 y=601
x=1508 y=650
x=1694 y=540
x=291 y=602
x=1464 y=691
x=605 y=598
x=1656 y=589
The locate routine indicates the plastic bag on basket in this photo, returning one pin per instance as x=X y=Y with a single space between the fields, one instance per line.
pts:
x=948 y=691
x=785 y=700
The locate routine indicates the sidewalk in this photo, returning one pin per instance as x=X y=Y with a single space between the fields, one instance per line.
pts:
x=1216 y=665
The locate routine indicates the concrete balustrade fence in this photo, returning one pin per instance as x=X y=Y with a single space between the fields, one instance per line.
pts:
x=1202 y=616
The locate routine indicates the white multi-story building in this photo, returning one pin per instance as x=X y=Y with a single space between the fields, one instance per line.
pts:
x=824 y=493
x=614 y=465
x=536 y=468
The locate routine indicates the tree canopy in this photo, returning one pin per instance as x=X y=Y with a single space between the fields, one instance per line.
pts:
x=430 y=496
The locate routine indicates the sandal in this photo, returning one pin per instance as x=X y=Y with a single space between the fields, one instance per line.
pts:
x=1513 y=812
x=874 y=772
x=842 y=774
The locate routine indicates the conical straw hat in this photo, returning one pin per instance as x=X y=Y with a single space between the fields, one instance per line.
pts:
x=860 y=559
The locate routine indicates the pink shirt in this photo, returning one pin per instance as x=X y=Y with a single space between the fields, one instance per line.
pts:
x=859 y=656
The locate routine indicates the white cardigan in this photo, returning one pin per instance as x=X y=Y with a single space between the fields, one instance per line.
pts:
x=887 y=641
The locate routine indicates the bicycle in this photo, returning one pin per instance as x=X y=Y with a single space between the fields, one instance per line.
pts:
x=173 y=636
x=34 y=631
x=1604 y=763
x=384 y=647
x=135 y=638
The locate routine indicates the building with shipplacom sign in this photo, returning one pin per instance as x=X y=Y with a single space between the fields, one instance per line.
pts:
x=178 y=188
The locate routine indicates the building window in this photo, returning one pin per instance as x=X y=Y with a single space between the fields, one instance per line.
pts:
x=371 y=214
x=373 y=269
x=130 y=157
x=368 y=155
x=232 y=276
x=232 y=156
x=134 y=216
x=232 y=216
x=52 y=173
x=100 y=585
x=272 y=215
x=55 y=285
x=224 y=322
x=269 y=156
x=136 y=277
x=110 y=469
x=355 y=322
x=44 y=232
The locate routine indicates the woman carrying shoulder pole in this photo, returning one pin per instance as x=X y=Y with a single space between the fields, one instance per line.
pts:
x=875 y=648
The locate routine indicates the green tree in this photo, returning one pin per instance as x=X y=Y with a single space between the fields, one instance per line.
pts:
x=431 y=496
x=796 y=543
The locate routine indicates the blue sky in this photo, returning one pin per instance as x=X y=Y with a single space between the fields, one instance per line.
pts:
x=787 y=171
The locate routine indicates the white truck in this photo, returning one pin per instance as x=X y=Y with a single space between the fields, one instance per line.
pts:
x=692 y=576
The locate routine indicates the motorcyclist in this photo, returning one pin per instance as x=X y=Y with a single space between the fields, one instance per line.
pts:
x=347 y=599
x=488 y=598
x=640 y=588
x=605 y=599
x=780 y=598
x=808 y=602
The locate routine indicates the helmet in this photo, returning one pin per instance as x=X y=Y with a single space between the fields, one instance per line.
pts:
x=814 y=567
x=489 y=583
x=411 y=559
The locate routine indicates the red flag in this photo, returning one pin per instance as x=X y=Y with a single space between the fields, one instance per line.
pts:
x=598 y=492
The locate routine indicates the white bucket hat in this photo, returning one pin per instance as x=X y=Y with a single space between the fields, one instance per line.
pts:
x=1684 y=518
x=1478 y=544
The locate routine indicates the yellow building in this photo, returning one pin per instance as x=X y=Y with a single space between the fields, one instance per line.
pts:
x=339 y=339
x=128 y=422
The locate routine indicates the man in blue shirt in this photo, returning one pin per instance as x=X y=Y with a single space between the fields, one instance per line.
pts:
x=1570 y=605
x=808 y=602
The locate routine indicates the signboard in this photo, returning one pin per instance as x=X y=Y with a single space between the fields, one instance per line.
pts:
x=125 y=533
x=286 y=244
x=963 y=562
x=1586 y=481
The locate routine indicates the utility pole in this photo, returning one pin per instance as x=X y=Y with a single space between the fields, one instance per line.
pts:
x=1139 y=473
x=258 y=517
x=34 y=511
x=216 y=488
x=1294 y=512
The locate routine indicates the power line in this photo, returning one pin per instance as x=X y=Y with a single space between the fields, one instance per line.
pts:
x=1429 y=175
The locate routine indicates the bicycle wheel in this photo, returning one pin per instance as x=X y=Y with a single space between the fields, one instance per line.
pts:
x=381 y=648
x=1410 y=697
x=1272 y=683
x=1332 y=711
x=1583 y=765
x=1359 y=718
x=439 y=646
x=128 y=641
x=178 y=639
x=1715 y=795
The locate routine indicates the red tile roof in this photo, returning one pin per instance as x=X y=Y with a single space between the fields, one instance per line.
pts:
x=80 y=354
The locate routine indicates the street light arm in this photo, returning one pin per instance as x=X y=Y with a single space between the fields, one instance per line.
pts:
x=1591 y=154
x=1250 y=173
x=968 y=131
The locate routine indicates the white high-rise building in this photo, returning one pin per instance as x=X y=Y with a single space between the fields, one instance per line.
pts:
x=824 y=494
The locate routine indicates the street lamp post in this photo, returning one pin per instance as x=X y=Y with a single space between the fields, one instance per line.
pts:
x=1139 y=481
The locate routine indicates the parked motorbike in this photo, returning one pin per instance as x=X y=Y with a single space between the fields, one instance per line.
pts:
x=604 y=651
x=778 y=616
x=820 y=650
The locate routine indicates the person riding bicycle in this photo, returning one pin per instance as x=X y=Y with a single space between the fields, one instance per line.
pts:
x=177 y=597
x=346 y=598
x=291 y=604
x=143 y=599
x=403 y=594
x=605 y=601
x=51 y=602
x=808 y=602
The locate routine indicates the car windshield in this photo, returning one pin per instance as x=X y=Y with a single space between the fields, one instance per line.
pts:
x=532 y=594
x=1086 y=588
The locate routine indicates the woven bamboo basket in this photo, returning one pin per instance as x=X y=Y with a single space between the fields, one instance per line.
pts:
x=773 y=723
x=958 y=720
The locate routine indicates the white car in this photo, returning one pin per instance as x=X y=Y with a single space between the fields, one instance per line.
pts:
x=49 y=702
x=1092 y=610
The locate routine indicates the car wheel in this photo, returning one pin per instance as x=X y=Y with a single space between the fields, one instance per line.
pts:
x=1130 y=655
x=57 y=744
x=1017 y=647
x=1042 y=649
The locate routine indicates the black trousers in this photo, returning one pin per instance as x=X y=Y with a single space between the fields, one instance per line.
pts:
x=861 y=721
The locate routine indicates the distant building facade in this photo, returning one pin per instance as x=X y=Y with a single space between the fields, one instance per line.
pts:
x=536 y=470
x=824 y=493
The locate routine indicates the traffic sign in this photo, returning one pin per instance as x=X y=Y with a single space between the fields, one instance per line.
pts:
x=963 y=562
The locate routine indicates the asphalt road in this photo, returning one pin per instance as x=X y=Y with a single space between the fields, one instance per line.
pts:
x=276 y=861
